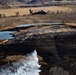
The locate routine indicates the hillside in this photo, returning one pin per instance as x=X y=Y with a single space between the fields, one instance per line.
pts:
x=10 y=3
x=17 y=3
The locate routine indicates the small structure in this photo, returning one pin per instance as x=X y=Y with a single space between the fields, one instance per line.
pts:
x=38 y=12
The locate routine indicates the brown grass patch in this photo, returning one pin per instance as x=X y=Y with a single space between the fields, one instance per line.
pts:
x=22 y=11
x=2 y=41
x=70 y=24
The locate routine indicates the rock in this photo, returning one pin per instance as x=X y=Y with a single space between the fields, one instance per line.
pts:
x=58 y=71
x=48 y=40
x=56 y=44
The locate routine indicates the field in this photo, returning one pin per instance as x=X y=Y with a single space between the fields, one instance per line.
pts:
x=22 y=11
x=10 y=19
x=22 y=37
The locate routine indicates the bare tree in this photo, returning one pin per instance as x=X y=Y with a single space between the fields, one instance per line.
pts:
x=17 y=14
x=58 y=12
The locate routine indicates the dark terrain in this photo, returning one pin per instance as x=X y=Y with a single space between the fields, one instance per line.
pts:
x=34 y=3
x=21 y=3
x=56 y=44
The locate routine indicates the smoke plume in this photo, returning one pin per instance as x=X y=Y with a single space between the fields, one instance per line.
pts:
x=27 y=66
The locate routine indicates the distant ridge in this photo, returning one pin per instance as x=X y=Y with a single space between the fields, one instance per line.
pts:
x=17 y=3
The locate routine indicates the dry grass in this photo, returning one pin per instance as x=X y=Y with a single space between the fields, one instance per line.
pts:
x=16 y=58
x=70 y=24
x=3 y=41
x=22 y=11
x=10 y=22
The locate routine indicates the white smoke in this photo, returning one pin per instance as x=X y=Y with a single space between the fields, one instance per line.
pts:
x=28 y=66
